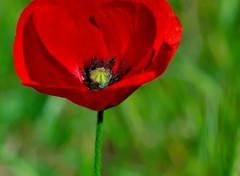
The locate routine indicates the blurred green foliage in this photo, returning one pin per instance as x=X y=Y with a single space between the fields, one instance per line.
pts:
x=184 y=124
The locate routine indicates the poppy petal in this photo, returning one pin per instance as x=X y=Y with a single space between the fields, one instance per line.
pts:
x=41 y=66
x=129 y=30
x=155 y=69
x=164 y=55
x=162 y=12
x=57 y=33
x=90 y=39
x=18 y=53
x=70 y=39
x=87 y=98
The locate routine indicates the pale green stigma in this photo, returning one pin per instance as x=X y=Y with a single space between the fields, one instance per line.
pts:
x=101 y=76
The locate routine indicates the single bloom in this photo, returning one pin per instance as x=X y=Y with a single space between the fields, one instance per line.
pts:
x=95 y=53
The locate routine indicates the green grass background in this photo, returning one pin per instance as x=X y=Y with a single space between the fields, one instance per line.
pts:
x=185 y=123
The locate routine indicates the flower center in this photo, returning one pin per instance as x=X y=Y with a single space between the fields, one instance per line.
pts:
x=100 y=74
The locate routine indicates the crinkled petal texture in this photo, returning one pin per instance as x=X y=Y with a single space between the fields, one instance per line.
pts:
x=55 y=39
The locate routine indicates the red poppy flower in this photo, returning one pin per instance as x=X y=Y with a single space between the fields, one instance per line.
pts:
x=96 y=52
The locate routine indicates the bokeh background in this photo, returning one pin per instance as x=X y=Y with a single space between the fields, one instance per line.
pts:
x=185 y=123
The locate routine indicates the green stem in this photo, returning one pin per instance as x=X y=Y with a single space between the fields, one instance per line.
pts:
x=98 y=142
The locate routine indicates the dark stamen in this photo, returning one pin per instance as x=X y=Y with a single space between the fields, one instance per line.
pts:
x=100 y=75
